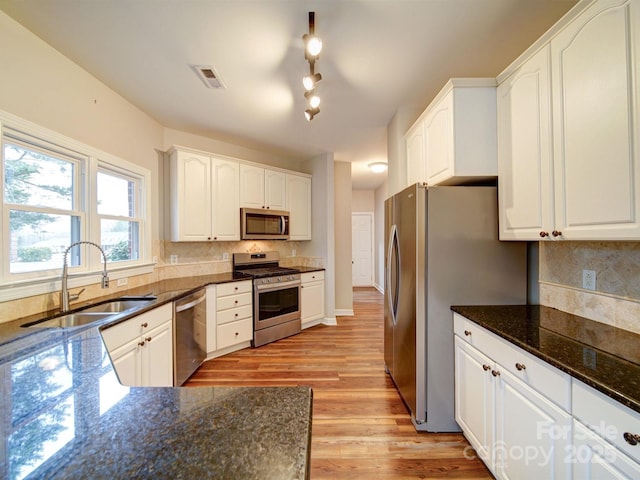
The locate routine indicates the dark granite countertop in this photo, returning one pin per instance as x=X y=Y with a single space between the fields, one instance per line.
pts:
x=65 y=415
x=308 y=269
x=570 y=343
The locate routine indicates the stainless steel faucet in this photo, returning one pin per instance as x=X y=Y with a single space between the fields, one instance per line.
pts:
x=65 y=297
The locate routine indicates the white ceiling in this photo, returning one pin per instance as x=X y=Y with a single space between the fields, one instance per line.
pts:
x=378 y=56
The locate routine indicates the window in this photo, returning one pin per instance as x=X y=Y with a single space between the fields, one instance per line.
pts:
x=55 y=192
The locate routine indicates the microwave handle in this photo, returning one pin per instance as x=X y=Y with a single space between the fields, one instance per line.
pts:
x=283 y=225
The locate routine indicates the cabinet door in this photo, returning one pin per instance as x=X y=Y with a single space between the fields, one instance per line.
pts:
x=525 y=151
x=312 y=301
x=251 y=186
x=126 y=362
x=595 y=71
x=190 y=197
x=225 y=198
x=474 y=398
x=595 y=459
x=157 y=356
x=533 y=436
x=275 y=190
x=416 y=165
x=299 y=207
x=438 y=144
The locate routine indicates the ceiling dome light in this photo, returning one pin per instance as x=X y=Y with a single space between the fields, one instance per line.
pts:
x=378 y=167
x=309 y=113
x=314 y=100
x=309 y=81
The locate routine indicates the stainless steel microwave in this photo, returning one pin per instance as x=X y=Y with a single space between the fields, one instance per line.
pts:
x=262 y=224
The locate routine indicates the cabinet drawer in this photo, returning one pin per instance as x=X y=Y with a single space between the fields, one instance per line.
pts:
x=232 y=301
x=123 y=332
x=312 y=276
x=234 y=332
x=474 y=334
x=233 y=314
x=538 y=374
x=610 y=419
x=551 y=382
x=233 y=288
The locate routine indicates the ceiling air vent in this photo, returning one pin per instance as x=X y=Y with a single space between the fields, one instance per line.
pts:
x=209 y=76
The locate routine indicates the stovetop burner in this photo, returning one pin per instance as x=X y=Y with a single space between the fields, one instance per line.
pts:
x=260 y=265
x=269 y=271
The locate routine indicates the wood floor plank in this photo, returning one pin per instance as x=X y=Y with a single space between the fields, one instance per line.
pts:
x=361 y=428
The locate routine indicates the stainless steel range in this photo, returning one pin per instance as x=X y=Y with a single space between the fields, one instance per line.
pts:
x=276 y=296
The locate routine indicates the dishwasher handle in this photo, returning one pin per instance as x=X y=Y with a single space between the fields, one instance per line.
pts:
x=181 y=307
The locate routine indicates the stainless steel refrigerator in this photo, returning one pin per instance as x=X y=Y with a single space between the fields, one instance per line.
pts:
x=442 y=249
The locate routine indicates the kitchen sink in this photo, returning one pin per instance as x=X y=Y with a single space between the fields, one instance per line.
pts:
x=93 y=313
x=69 y=320
x=118 y=305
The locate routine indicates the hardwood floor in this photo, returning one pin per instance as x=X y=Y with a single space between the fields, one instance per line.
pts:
x=361 y=428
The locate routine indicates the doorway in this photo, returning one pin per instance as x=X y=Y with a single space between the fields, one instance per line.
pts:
x=362 y=249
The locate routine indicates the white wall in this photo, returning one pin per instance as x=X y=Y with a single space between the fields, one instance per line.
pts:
x=42 y=86
x=362 y=201
x=342 y=221
x=378 y=237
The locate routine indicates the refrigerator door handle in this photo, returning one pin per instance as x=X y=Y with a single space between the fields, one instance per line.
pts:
x=393 y=273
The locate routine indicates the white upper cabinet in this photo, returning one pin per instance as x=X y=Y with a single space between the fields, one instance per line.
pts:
x=525 y=151
x=225 y=199
x=595 y=75
x=569 y=159
x=204 y=197
x=262 y=188
x=190 y=187
x=299 y=207
x=454 y=141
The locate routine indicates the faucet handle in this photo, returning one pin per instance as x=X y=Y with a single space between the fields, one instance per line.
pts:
x=75 y=296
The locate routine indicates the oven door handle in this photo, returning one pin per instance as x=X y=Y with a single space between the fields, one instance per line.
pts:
x=277 y=286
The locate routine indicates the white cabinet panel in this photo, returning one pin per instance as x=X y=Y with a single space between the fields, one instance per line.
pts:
x=311 y=297
x=525 y=151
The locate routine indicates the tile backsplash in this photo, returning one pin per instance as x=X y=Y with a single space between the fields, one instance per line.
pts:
x=616 y=298
x=191 y=259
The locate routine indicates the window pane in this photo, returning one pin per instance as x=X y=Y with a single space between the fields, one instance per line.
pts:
x=120 y=239
x=38 y=240
x=36 y=179
x=115 y=195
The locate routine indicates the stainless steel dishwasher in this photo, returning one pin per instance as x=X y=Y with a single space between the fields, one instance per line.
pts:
x=189 y=335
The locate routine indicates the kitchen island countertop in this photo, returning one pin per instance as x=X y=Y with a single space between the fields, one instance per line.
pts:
x=602 y=356
x=65 y=414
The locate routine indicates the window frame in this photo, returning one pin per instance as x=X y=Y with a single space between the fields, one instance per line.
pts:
x=89 y=162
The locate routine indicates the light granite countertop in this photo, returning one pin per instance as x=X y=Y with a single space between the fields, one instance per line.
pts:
x=65 y=415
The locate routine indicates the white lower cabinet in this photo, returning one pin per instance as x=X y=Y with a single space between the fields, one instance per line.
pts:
x=532 y=434
x=528 y=420
x=141 y=348
x=516 y=429
x=229 y=317
x=311 y=298
x=596 y=459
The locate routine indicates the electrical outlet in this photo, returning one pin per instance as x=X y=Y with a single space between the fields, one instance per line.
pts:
x=173 y=259
x=122 y=281
x=588 y=279
x=293 y=252
x=225 y=256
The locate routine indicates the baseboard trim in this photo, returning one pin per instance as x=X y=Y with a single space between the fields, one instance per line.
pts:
x=344 y=312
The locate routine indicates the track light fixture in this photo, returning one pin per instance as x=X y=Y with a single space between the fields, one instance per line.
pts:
x=312 y=48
